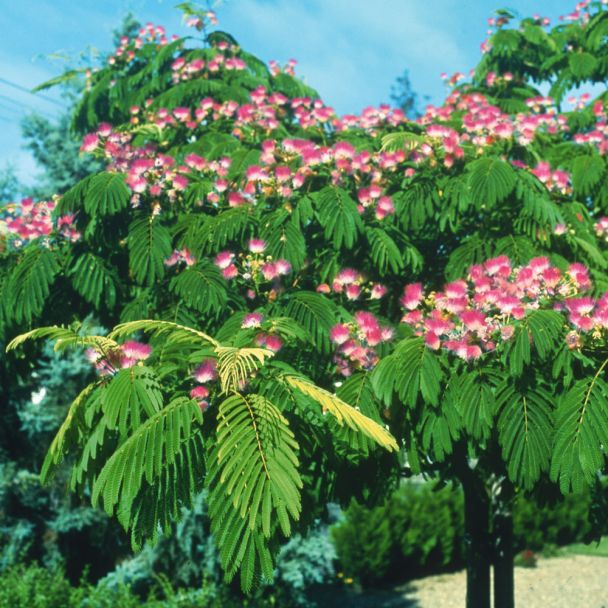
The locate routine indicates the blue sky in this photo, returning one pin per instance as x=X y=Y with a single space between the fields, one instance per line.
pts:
x=351 y=51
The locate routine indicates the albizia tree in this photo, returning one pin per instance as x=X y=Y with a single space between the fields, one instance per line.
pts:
x=281 y=249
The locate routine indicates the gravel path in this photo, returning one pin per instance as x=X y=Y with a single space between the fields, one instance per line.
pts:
x=560 y=582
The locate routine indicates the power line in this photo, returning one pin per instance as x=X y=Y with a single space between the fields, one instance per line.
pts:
x=29 y=107
x=26 y=90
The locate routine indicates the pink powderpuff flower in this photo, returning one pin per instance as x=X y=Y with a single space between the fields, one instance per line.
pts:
x=457 y=289
x=498 y=266
x=378 y=291
x=199 y=392
x=432 y=340
x=195 y=161
x=283 y=267
x=323 y=288
x=473 y=320
x=580 y=306
x=339 y=334
x=136 y=350
x=581 y=322
x=224 y=259
x=269 y=271
x=580 y=275
x=353 y=291
x=251 y=320
x=256 y=245
x=206 y=371
x=273 y=343
x=89 y=143
x=412 y=296
x=230 y=272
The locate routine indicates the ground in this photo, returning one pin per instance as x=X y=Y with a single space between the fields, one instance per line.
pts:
x=577 y=578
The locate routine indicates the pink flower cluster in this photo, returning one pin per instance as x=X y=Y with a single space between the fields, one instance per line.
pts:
x=203 y=374
x=127 y=355
x=225 y=58
x=253 y=268
x=356 y=342
x=601 y=228
x=180 y=256
x=470 y=317
x=269 y=340
x=557 y=180
x=126 y=50
x=30 y=220
x=353 y=285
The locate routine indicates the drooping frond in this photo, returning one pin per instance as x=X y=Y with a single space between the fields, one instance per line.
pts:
x=491 y=180
x=93 y=280
x=581 y=434
x=525 y=429
x=235 y=365
x=65 y=338
x=176 y=332
x=201 y=287
x=143 y=457
x=29 y=284
x=315 y=313
x=411 y=369
x=254 y=484
x=338 y=215
x=106 y=194
x=541 y=329
x=149 y=244
x=132 y=394
x=342 y=412
x=65 y=434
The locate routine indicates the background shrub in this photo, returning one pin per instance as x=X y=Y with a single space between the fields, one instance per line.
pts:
x=419 y=530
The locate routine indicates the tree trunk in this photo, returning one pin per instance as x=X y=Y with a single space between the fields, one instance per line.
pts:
x=477 y=541
x=504 y=584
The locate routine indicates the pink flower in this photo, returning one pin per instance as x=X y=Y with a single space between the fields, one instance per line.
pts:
x=339 y=334
x=90 y=142
x=206 y=371
x=274 y=343
x=136 y=350
x=378 y=291
x=224 y=259
x=253 y=319
x=256 y=245
x=473 y=320
x=412 y=296
x=269 y=271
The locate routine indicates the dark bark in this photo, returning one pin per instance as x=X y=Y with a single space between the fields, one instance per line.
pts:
x=477 y=540
x=504 y=584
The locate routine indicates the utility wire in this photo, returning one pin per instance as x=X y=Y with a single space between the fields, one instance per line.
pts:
x=26 y=90
x=25 y=105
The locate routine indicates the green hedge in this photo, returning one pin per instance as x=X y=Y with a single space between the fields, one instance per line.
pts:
x=419 y=531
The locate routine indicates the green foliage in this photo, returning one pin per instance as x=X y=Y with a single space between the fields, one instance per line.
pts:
x=30 y=283
x=417 y=531
x=491 y=180
x=338 y=215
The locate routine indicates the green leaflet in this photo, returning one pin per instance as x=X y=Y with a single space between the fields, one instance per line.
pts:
x=525 y=432
x=92 y=279
x=338 y=214
x=30 y=283
x=411 y=371
x=581 y=434
x=149 y=244
x=491 y=180
x=106 y=194
x=201 y=287
x=254 y=482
